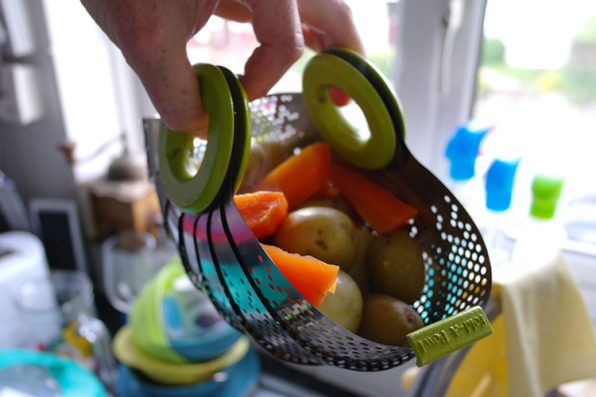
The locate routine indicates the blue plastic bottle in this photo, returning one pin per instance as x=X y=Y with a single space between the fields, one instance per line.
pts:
x=462 y=153
x=499 y=185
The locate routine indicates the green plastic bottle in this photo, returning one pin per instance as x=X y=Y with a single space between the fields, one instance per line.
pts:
x=543 y=236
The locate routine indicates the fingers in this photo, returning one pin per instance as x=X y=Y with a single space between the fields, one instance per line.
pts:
x=277 y=27
x=327 y=24
x=158 y=56
x=173 y=87
x=234 y=11
x=283 y=27
x=152 y=36
x=330 y=23
x=174 y=90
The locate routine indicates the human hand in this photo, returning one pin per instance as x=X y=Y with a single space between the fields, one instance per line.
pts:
x=152 y=35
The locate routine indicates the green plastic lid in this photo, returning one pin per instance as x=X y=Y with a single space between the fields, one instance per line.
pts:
x=546 y=191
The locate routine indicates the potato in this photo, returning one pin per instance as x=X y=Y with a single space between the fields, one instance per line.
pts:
x=256 y=169
x=325 y=233
x=345 y=305
x=396 y=266
x=339 y=203
x=275 y=152
x=358 y=270
x=263 y=157
x=388 y=320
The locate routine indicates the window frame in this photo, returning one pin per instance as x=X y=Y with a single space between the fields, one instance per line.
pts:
x=431 y=116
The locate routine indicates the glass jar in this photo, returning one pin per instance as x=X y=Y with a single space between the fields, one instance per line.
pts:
x=60 y=314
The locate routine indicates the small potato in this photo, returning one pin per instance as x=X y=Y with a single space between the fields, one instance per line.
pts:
x=344 y=306
x=396 y=266
x=275 y=152
x=359 y=270
x=256 y=169
x=263 y=157
x=339 y=203
x=325 y=233
x=388 y=320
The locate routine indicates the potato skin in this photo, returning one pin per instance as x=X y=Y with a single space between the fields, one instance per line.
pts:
x=359 y=271
x=396 y=266
x=339 y=203
x=388 y=320
x=345 y=305
x=263 y=157
x=325 y=233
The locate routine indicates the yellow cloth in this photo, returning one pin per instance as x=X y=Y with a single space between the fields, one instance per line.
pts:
x=543 y=337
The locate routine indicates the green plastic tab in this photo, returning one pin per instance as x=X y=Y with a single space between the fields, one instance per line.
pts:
x=448 y=335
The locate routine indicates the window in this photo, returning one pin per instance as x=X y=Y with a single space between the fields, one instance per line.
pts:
x=537 y=86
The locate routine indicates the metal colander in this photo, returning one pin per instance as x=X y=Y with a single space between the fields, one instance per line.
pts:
x=222 y=256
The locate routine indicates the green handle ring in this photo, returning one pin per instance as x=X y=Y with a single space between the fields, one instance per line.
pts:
x=195 y=192
x=328 y=69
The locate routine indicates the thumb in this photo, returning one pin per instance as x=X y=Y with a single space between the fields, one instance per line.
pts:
x=174 y=90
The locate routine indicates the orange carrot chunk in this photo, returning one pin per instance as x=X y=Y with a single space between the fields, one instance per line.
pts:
x=301 y=176
x=263 y=211
x=380 y=208
x=311 y=277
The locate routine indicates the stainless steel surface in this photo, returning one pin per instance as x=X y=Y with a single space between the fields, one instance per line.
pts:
x=223 y=257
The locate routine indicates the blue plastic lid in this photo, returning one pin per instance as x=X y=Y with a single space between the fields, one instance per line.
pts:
x=462 y=149
x=499 y=184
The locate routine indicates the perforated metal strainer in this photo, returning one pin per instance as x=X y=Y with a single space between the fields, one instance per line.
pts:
x=222 y=256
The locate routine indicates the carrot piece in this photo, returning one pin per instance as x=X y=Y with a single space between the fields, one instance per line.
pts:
x=300 y=176
x=263 y=211
x=311 y=277
x=380 y=208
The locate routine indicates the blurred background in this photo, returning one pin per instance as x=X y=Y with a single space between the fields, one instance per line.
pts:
x=516 y=80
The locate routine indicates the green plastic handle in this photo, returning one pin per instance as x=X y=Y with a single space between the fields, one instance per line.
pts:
x=448 y=335
x=190 y=189
x=336 y=69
